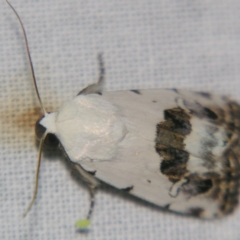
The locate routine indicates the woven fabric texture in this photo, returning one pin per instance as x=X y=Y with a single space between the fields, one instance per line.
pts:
x=146 y=44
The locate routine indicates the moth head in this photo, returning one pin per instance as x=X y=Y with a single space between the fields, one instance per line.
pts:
x=43 y=130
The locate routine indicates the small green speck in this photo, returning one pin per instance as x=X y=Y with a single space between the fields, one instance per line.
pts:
x=83 y=223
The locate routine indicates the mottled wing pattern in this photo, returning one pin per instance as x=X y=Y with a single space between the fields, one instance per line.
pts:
x=214 y=176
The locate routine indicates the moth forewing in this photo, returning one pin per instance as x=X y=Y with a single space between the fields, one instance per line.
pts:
x=176 y=149
x=184 y=158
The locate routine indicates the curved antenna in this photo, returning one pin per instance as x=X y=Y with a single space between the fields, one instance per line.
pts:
x=36 y=177
x=29 y=57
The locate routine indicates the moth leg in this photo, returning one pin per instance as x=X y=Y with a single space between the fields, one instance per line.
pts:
x=92 y=184
x=176 y=187
x=87 y=177
x=92 y=202
x=96 y=87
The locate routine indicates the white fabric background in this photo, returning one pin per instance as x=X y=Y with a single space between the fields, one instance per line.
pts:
x=146 y=44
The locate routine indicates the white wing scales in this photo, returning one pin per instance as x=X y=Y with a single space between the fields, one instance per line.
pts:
x=179 y=150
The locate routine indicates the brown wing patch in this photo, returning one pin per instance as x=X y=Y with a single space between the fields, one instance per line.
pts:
x=170 y=143
x=221 y=184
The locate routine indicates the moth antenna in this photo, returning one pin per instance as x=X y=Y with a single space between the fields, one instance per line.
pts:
x=29 y=58
x=101 y=68
x=36 y=177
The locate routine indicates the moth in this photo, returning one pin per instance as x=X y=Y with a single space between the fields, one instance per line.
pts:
x=174 y=148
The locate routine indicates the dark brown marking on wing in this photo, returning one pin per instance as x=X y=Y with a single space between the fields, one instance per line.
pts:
x=204 y=94
x=196 y=212
x=167 y=206
x=127 y=189
x=204 y=185
x=221 y=180
x=174 y=163
x=92 y=172
x=197 y=185
x=174 y=90
x=202 y=112
x=177 y=120
x=135 y=91
x=210 y=114
x=170 y=143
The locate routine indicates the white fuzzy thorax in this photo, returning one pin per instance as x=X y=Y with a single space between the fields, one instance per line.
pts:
x=88 y=127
